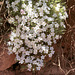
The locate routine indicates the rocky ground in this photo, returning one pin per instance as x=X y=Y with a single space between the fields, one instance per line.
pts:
x=63 y=61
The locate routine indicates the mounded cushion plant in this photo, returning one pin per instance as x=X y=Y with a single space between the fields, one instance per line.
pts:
x=37 y=26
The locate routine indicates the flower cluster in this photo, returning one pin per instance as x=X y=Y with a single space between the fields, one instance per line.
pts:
x=39 y=23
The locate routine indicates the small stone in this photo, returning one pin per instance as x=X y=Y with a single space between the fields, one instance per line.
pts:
x=6 y=60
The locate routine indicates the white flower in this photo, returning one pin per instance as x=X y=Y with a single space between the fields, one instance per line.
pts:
x=17 y=57
x=57 y=8
x=49 y=43
x=27 y=60
x=46 y=51
x=27 y=52
x=23 y=0
x=52 y=52
x=9 y=43
x=35 y=20
x=42 y=57
x=51 y=25
x=38 y=68
x=51 y=5
x=54 y=15
x=22 y=36
x=45 y=17
x=11 y=38
x=23 y=5
x=52 y=34
x=33 y=69
x=35 y=51
x=8 y=6
x=43 y=23
x=49 y=37
x=50 y=55
x=14 y=49
x=32 y=57
x=17 y=46
x=52 y=29
x=60 y=36
x=13 y=34
x=40 y=50
x=34 y=62
x=47 y=12
x=43 y=48
x=51 y=48
x=21 y=61
x=54 y=41
x=13 y=5
x=56 y=25
x=50 y=19
x=22 y=49
x=41 y=11
x=39 y=39
x=57 y=37
x=15 y=9
x=27 y=28
x=6 y=2
x=37 y=4
x=58 y=5
x=29 y=66
x=16 y=16
x=10 y=49
x=42 y=35
x=36 y=15
x=19 y=19
x=62 y=17
x=64 y=8
x=29 y=69
x=66 y=14
x=11 y=20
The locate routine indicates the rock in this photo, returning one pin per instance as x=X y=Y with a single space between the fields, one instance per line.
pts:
x=6 y=60
x=25 y=72
x=6 y=72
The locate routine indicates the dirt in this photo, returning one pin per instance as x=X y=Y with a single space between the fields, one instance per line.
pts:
x=63 y=61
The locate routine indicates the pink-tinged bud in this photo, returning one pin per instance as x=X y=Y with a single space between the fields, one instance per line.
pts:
x=22 y=11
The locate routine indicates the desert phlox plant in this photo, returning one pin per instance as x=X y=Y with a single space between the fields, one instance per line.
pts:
x=39 y=23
